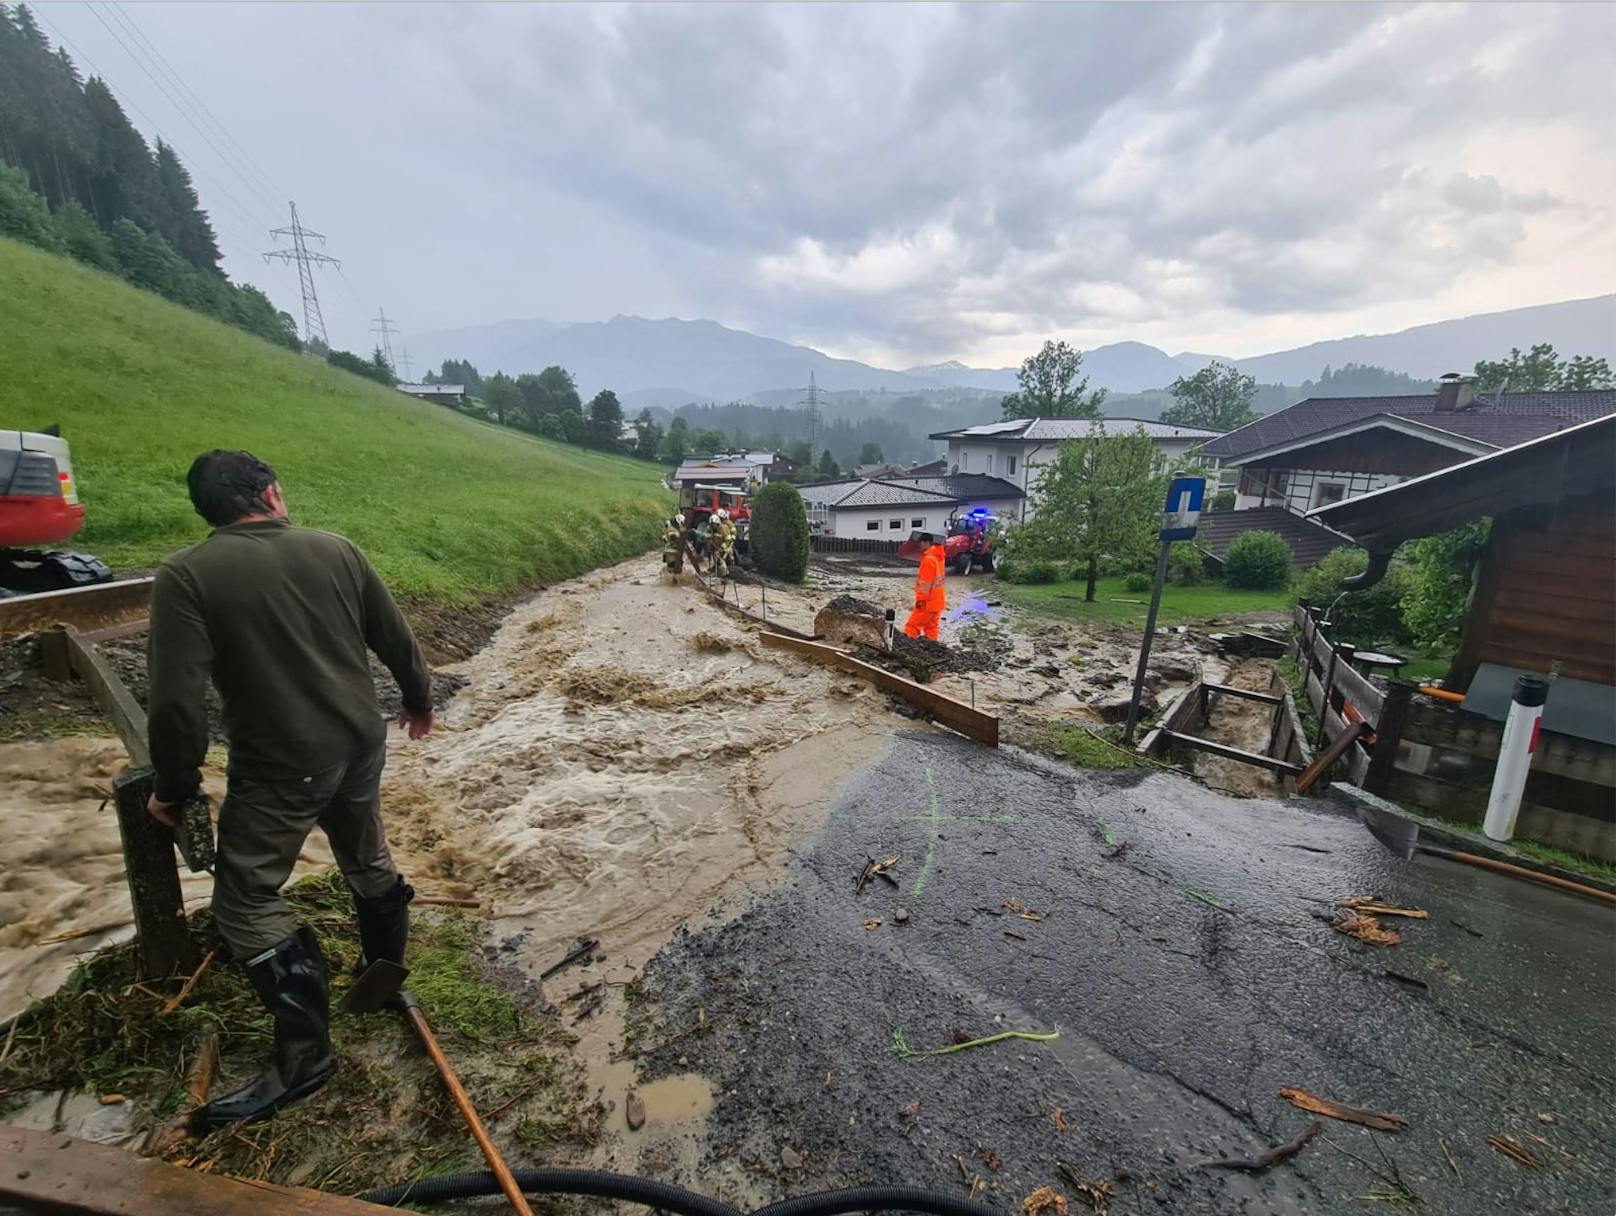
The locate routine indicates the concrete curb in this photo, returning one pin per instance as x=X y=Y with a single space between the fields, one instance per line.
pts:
x=1351 y=799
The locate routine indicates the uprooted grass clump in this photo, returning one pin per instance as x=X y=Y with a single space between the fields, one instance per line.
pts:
x=383 y=1119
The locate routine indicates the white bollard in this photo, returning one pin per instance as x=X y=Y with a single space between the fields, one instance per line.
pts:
x=1515 y=756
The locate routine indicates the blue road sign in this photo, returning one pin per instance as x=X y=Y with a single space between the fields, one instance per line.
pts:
x=1183 y=509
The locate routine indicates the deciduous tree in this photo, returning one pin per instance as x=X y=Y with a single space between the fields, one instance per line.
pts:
x=1052 y=385
x=1217 y=398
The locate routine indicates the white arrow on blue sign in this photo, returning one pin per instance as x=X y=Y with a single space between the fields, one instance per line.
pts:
x=1183 y=509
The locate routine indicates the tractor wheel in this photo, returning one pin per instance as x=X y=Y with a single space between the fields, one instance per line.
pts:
x=963 y=565
x=987 y=563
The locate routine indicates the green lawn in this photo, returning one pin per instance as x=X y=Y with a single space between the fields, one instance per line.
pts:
x=1113 y=604
x=446 y=507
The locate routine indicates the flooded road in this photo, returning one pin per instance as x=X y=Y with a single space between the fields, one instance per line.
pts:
x=1177 y=941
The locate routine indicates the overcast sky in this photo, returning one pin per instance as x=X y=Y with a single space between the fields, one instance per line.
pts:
x=901 y=184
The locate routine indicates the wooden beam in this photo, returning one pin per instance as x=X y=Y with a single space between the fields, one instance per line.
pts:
x=1338 y=747
x=161 y=934
x=1267 y=698
x=111 y=694
x=1388 y=734
x=46 y=1172
x=82 y=607
x=1272 y=763
x=956 y=715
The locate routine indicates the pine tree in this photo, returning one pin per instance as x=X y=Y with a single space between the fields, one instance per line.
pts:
x=183 y=222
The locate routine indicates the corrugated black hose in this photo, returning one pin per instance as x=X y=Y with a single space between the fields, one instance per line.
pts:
x=603 y=1185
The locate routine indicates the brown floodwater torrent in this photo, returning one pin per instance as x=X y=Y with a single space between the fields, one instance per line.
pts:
x=64 y=864
x=625 y=758
x=1244 y=724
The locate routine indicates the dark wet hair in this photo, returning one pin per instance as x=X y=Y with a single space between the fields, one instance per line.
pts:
x=225 y=486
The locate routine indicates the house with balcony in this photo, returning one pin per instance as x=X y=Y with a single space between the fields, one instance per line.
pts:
x=1327 y=450
x=1018 y=451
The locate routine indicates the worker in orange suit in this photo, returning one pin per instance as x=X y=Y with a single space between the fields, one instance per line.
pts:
x=930 y=597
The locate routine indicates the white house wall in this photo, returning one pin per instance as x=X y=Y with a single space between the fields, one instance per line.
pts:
x=1302 y=487
x=1032 y=461
x=855 y=522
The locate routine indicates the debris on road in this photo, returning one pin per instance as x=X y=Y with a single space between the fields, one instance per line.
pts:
x=910 y=1053
x=1367 y=905
x=1448 y=1153
x=634 y=1111
x=1264 y=1161
x=872 y=869
x=1206 y=899
x=1515 y=1151
x=871 y=925
x=1364 y=927
x=1020 y=909
x=989 y=1158
x=790 y=1158
x=1044 y=1199
x=584 y=948
x=1058 y=1118
x=1303 y=1100
x=1096 y=1194
x=901 y=916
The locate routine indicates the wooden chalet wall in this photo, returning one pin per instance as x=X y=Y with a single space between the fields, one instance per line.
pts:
x=1546 y=593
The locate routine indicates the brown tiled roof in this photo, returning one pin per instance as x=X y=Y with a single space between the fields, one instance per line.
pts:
x=1502 y=419
x=1309 y=541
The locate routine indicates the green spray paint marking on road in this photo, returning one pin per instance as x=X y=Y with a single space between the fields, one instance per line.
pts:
x=961 y=818
x=931 y=849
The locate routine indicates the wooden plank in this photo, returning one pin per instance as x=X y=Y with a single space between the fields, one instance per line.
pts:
x=82 y=607
x=1180 y=712
x=956 y=715
x=161 y=934
x=113 y=633
x=1246 y=693
x=1388 y=734
x=1196 y=743
x=1572 y=600
x=48 y=1172
x=111 y=694
x=1365 y=697
x=1337 y=748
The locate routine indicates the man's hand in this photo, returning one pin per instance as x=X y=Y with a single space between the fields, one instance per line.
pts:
x=160 y=811
x=418 y=725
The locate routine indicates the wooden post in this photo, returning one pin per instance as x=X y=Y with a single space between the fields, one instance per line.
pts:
x=1388 y=731
x=1327 y=683
x=154 y=881
x=54 y=656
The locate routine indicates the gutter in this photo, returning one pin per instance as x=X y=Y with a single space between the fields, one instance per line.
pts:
x=1373 y=573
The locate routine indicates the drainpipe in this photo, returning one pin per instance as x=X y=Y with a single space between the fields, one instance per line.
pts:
x=1373 y=573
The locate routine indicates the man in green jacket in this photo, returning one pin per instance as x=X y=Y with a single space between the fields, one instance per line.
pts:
x=280 y=618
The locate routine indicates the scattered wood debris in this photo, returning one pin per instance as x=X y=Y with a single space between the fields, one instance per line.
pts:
x=989 y=1158
x=1448 y=1153
x=1044 y=1199
x=912 y=1109
x=1015 y=936
x=1264 y=1161
x=1545 y=1117
x=1373 y=907
x=1096 y=1194
x=1302 y=1100
x=1364 y=927
x=876 y=869
x=1058 y=1118
x=1020 y=909
x=871 y=925
x=1515 y=1151
x=584 y=948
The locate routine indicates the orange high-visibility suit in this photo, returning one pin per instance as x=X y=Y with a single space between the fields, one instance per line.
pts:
x=930 y=598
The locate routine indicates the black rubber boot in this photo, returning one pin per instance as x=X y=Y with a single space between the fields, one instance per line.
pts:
x=384 y=924
x=290 y=979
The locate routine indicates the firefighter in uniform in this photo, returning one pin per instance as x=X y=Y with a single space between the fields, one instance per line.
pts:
x=930 y=597
x=721 y=536
x=673 y=559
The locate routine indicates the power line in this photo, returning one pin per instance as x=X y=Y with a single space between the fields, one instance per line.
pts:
x=241 y=214
x=180 y=109
x=246 y=158
x=812 y=402
x=384 y=329
x=313 y=322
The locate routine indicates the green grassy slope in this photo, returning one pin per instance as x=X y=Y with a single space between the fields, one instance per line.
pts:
x=445 y=506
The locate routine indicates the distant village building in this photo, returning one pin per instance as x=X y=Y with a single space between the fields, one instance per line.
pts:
x=1327 y=450
x=1020 y=450
x=889 y=509
x=737 y=470
x=452 y=395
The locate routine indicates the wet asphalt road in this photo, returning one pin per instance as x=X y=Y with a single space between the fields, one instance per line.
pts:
x=1180 y=1021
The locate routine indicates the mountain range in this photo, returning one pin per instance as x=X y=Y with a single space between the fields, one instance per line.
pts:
x=673 y=362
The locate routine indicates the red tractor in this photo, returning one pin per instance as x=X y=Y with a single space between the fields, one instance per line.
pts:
x=969 y=542
x=39 y=507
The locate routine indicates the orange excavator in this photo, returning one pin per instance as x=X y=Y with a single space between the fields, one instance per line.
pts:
x=40 y=508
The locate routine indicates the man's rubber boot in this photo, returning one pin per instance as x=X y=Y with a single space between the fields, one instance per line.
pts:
x=384 y=931
x=290 y=979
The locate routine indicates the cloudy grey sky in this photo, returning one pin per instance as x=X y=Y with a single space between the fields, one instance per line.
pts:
x=902 y=184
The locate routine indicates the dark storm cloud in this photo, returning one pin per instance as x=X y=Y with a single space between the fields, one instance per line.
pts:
x=931 y=181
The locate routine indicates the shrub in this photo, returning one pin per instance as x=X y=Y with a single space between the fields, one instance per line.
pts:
x=1186 y=565
x=1223 y=500
x=1136 y=582
x=1436 y=593
x=1361 y=618
x=1026 y=570
x=1258 y=561
x=779 y=532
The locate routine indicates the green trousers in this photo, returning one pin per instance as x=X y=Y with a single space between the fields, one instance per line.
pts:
x=262 y=828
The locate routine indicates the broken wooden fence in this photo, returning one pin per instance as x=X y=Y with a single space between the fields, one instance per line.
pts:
x=1193 y=709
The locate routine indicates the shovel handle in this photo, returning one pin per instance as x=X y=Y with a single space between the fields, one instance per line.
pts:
x=462 y=1101
x=1503 y=867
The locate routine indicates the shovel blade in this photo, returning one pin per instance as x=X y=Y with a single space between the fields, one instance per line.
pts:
x=1396 y=833
x=377 y=985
